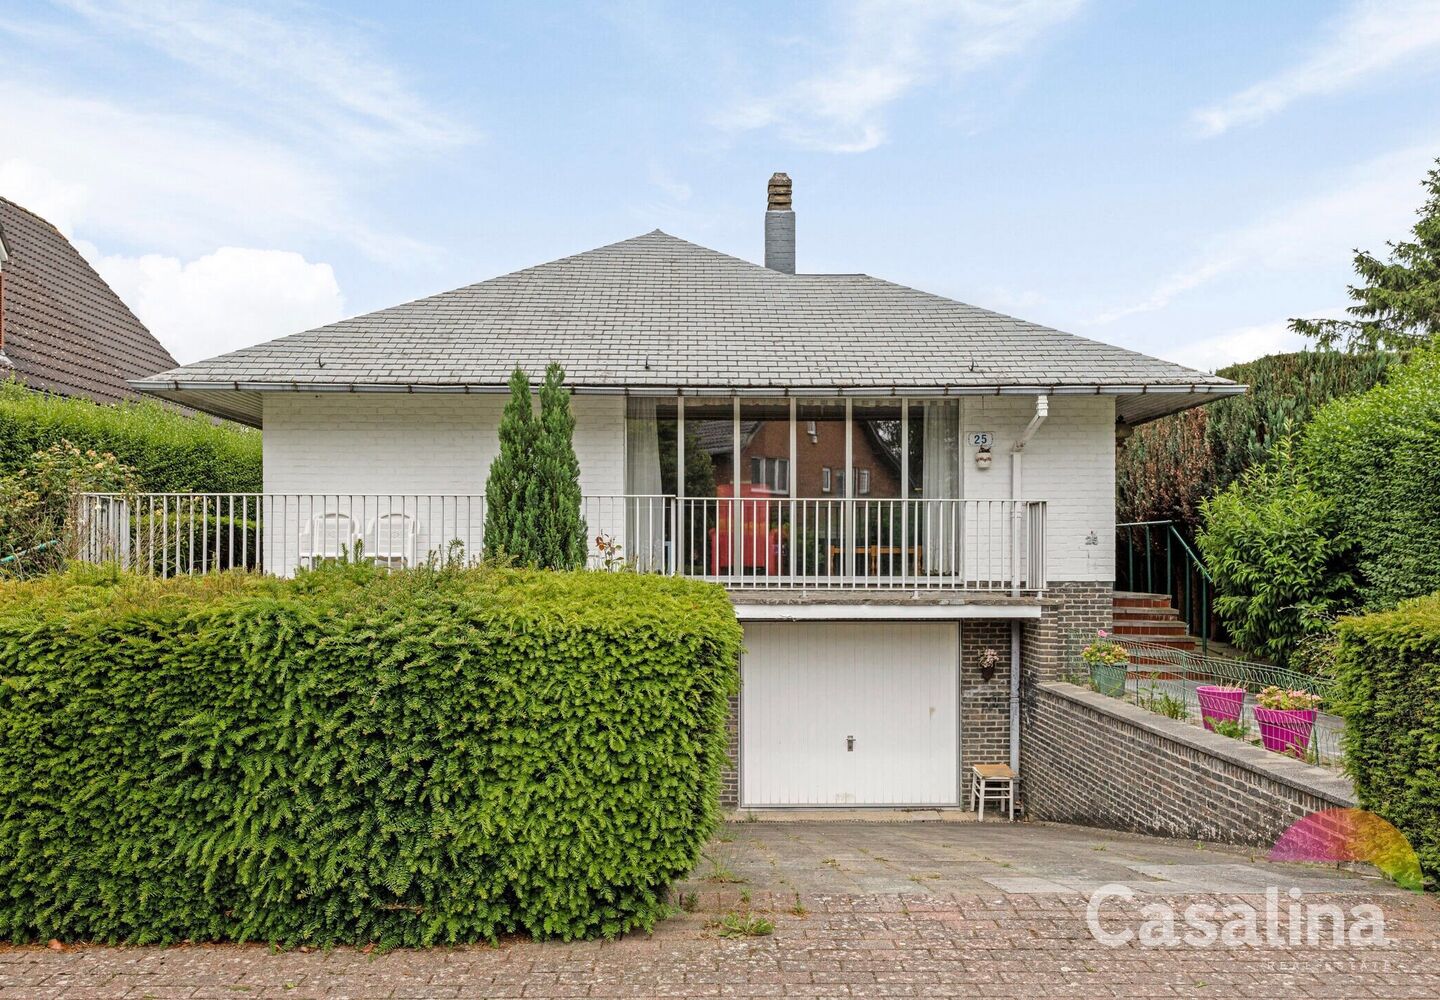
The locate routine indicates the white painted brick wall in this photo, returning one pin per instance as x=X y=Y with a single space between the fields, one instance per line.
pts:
x=1070 y=463
x=344 y=446
x=377 y=443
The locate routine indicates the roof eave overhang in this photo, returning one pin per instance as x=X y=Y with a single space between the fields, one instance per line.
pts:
x=1161 y=398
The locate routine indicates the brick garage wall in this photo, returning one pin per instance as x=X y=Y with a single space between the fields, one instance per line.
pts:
x=730 y=777
x=1071 y=613
x=984 y=703
x=1097 y=761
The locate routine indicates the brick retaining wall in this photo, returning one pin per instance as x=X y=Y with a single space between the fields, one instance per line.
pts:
x=1097 y=761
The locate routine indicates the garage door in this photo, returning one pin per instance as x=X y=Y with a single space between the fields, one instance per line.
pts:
x=849 y=713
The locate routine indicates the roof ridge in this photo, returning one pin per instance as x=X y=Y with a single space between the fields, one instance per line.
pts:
x=34 y=215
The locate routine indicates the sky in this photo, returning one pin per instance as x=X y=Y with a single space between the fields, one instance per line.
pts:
x=1176 y=178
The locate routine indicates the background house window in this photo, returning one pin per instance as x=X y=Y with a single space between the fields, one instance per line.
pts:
x=825 y=480
x=772 y=474
x=862 y=482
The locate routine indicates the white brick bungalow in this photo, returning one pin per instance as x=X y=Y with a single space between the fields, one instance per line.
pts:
x=920 y=480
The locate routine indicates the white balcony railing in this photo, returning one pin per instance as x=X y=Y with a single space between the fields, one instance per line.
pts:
x=982 y=545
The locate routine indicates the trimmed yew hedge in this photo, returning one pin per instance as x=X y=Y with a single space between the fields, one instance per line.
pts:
x=1388 y=690
x=426 y=757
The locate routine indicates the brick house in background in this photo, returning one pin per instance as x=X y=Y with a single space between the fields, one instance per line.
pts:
x=927 y=489
x=62 y=328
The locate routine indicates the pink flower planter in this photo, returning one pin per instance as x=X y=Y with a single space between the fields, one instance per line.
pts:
x=1285 y=730
x=1219 y=704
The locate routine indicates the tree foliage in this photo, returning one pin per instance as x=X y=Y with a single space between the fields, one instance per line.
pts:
x=1397 y=304
x=532 y=495
x=1279 y=560
x=511 y=516
x=562 y=541
x=353 y=756
x=1168 y=466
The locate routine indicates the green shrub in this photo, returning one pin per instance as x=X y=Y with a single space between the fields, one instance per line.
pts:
x=1378 y=456
x=1169 y=466
x=168 y=450
x=1277 y=556
x=1388 y=690
x=37 y=498
x=423 y=757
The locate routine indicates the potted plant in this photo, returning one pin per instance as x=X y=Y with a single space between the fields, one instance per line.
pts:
x=1109 y=664
x=1286 y=719
x=1219 y=704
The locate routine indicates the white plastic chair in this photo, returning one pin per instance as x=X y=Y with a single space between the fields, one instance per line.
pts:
x=332 y=536
x=394 y=536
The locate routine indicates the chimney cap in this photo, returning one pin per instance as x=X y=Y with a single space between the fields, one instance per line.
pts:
x=779 y=191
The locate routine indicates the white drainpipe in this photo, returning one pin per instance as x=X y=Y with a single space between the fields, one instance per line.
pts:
x=1017 y=493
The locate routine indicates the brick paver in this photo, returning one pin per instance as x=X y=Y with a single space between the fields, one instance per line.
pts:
x=915 y=941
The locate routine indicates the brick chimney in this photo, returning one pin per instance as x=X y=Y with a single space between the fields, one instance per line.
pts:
x=780 y=226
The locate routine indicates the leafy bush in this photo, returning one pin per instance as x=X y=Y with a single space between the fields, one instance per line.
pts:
x=1279 y=561
x=168 y=450
x=36 y=499
x=351 y=756
x=1168 y=466
x=1378 y=456
x=1388 y=690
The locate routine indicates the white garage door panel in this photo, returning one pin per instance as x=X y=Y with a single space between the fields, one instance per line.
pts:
x=808 y=687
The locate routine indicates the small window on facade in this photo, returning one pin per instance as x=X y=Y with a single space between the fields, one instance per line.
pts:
x=862 y=481
x=810 y=430
x=757 y=471
x=825 y=479
x=782 y=475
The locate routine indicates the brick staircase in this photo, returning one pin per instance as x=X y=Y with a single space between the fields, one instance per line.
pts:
x=1152 y=619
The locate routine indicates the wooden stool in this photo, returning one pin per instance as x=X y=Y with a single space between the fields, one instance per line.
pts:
x=995 y=782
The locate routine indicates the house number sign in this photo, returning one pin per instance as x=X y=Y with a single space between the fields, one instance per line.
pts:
x=980 y=439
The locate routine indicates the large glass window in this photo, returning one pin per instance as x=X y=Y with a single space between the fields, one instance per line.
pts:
x=812 y=496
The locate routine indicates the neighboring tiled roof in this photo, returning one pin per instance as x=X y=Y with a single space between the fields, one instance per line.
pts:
x=657 y=312
x=65 y=329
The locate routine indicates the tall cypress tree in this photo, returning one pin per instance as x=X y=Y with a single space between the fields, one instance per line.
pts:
x=561 y=536
x=510 y=517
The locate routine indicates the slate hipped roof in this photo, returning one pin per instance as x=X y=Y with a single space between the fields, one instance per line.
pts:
x=65 y=330
x=657 y=314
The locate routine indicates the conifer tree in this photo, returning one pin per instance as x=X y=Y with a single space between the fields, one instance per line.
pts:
x=561 y=536
x=1398 y=305
x=510 y=514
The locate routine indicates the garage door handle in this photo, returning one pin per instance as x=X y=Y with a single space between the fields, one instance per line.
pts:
x=849 y=743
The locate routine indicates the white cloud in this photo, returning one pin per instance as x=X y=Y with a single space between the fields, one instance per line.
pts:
x=225 y=300
x=1245 y=343
x=1375 y=202
x=1367 y=39
x=318 y=80
x=884 y=50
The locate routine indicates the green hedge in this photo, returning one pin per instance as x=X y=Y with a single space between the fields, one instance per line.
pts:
x=1388 y=674
x=1378 y=456
x=1169 y=466
x=1278 y=558
x=425 y=757
x=168 y=450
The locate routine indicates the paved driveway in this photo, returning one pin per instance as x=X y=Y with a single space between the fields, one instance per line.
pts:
x=858 y=909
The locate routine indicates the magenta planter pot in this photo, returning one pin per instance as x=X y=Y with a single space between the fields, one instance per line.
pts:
x=1285 y=730
x=1220 y=704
